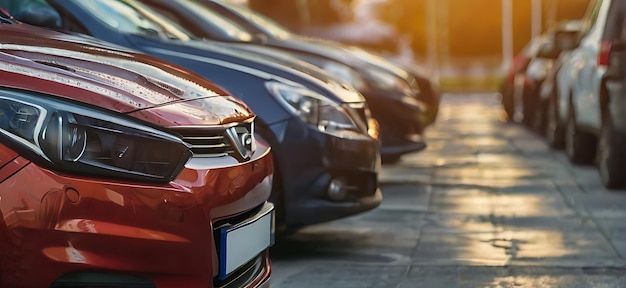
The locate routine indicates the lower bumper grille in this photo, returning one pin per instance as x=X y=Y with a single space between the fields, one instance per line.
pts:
x=100 y=280
x=244 y=275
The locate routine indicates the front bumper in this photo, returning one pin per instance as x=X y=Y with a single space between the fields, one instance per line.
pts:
x=85 y=232
x=401 y=125
x=312 y=163
x=430 y=94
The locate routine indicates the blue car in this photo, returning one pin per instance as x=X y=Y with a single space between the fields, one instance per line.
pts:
x=403 y=102
x=327 y=154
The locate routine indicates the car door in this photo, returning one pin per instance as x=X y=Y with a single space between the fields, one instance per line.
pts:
x=615 y=37
x=568 y=76
x=589 y=75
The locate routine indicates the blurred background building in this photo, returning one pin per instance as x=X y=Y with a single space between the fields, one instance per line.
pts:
x=457 y=39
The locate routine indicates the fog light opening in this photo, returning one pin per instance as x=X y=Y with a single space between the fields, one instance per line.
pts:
x=72 y=195
x=338 y=189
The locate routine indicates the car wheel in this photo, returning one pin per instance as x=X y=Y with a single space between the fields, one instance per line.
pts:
x=611 y=161
x=528 y=108
x=579 y=146
x=529 y=117
x=389 y=159
x=508 y=103
x=553 y=131
x=539 y=117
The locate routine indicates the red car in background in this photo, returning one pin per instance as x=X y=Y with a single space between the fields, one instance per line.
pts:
x=119 y=170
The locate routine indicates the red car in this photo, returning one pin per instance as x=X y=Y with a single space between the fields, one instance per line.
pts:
x=119 y=170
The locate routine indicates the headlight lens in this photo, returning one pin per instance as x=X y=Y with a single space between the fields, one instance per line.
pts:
x=314 y=109
x=387 y=81
x=82 y=140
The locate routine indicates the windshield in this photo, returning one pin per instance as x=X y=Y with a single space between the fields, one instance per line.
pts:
x=133 y=18
x=228 y=29
x=263 y=23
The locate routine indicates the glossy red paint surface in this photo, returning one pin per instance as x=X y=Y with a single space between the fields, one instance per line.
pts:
x=118 y=226
x=120 y=80
x=52 y=223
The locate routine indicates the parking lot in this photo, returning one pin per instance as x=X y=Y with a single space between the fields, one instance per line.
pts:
x=487 y=204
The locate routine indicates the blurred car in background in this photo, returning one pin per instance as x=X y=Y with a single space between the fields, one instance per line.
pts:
x=553 y=127
x=539 y=96
x=395 y=95
x=327 y=156
x=105 y=178
x=591 y=93
x=520 y=87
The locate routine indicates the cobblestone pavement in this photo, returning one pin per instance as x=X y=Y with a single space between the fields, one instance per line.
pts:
x=488 y=204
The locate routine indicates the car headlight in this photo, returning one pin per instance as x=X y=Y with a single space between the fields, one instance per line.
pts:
x=79 y=139
x=387 y=81
x=314 y=109
x=345 y=73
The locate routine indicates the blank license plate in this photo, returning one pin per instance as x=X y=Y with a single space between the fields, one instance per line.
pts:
x=244 y=241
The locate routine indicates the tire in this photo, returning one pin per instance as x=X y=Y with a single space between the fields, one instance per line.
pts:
x=580 y=147
x=611 y=160
x=390 y=159
x=529 y=117
x=539 y=118
x=553 y=130
x=529 y=107
x=508 y=103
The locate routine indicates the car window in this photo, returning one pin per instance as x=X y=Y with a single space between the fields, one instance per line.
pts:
x=264 y=23
x=591 y=16
x=132 y=19
x=228 y=28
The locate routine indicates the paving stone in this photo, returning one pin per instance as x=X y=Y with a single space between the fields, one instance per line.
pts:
x=486 y=204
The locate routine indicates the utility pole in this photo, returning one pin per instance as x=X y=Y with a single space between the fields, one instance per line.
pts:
x=551 y=18
x=303 y=12
x=431 y=36
x=443 y=27
x=507 y=33
x=536 y=18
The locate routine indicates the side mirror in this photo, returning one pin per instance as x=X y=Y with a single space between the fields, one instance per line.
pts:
x=40 y=15
x=566 y=40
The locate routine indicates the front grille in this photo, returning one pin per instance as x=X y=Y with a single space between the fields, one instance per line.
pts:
x=101 y=280
x=242 y=276
x=207 y=143
x=233 y=221
x=236 y=141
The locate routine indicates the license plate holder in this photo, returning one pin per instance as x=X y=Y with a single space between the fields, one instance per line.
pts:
x=242 y=242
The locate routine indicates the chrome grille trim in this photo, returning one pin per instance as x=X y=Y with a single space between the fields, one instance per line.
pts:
x=206 y=142
x=242 y=140
x=236 y=140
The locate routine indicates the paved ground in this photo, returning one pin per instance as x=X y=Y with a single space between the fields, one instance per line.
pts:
x=488 y=204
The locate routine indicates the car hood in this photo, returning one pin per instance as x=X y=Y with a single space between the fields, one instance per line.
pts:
x=94 y=72
x=264 y=64
x=351 y=56
x=343 y=91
